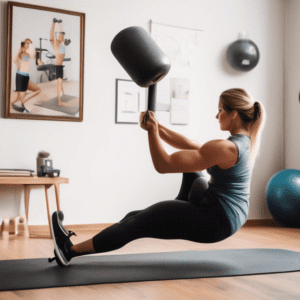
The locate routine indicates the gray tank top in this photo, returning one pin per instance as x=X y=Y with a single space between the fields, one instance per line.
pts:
x=232 y=186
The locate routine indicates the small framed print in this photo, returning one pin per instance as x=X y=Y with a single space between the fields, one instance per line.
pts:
x=180 y=106
x=130 y=101
x=45 y=62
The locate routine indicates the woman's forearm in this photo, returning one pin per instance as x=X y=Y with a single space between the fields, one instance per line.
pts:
x=16 y=59
x=158 y=153
x=177 y=140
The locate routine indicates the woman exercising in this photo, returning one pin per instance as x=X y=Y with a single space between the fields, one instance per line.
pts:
x=203 y=212
x=23 y=82
x=59 y=50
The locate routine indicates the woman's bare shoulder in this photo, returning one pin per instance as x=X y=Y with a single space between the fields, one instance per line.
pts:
x=219 y=143
x=226 y=150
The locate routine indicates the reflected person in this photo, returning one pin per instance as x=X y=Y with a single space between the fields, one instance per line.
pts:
x=59 y=50
x=23 y=82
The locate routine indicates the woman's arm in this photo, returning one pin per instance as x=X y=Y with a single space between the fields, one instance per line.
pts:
x=185 y=161
x=172 y=138
x=17 y=57
x=177 y=140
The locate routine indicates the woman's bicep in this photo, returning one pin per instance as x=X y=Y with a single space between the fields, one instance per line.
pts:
x=181 y=162
x=188 y=161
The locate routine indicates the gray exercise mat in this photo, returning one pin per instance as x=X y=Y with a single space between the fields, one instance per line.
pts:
x=53 y=105
x=87 y=270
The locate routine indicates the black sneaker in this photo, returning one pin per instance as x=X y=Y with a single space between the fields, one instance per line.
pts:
x=61 y=238
x=25 y=109
x=18 y=108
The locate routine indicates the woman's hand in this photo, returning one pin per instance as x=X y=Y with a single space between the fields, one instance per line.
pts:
x=148 y=120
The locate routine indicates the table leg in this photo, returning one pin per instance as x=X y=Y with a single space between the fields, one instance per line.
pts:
x=26 y=200
x=57 y=195
x=48 y=208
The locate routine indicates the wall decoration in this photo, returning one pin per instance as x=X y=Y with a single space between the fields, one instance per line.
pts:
x=180 y=90
x=180 y=45
x=243 y=54
x=130 y=101
x=45 y=63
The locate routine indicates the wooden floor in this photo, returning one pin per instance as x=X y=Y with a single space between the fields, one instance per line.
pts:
x=273 y=286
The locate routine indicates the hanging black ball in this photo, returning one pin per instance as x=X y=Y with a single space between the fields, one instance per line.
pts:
x=243 y=55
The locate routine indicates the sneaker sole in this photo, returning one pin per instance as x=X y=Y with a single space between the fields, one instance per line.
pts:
x=62 y=260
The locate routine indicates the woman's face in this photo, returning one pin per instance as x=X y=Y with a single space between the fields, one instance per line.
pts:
x=223 y=117
x=27 y=43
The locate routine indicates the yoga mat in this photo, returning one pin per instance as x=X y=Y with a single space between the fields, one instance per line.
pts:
x=53 y=105
x=93 y=269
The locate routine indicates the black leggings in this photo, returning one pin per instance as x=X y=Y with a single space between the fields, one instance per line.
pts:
x=59 y=71
x=192 y=216
x=21 y=83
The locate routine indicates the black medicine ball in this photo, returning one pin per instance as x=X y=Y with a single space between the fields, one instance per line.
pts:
x=243 y=55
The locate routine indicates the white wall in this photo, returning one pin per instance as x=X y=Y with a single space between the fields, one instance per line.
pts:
x=109 y=165
x=292 y=84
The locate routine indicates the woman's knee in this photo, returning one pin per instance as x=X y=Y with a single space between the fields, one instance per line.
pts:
x=22 y=95
x=198 y=189
x=187 y=182
x=37 y=92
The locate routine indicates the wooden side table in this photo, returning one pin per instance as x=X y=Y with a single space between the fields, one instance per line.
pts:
x=47 y=182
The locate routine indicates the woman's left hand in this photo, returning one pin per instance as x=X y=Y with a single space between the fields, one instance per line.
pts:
x=148 y=120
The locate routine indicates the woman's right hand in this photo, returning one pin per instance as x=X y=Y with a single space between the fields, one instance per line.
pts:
x=142 y=123
x=151 y=120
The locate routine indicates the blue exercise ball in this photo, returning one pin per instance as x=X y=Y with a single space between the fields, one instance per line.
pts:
x=243 y=55
x=283 y=197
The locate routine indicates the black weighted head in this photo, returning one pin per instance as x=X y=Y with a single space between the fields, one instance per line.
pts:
x=140 y=56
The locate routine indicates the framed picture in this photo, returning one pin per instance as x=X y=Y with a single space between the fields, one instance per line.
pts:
x=130 y=101
x=45 y=63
